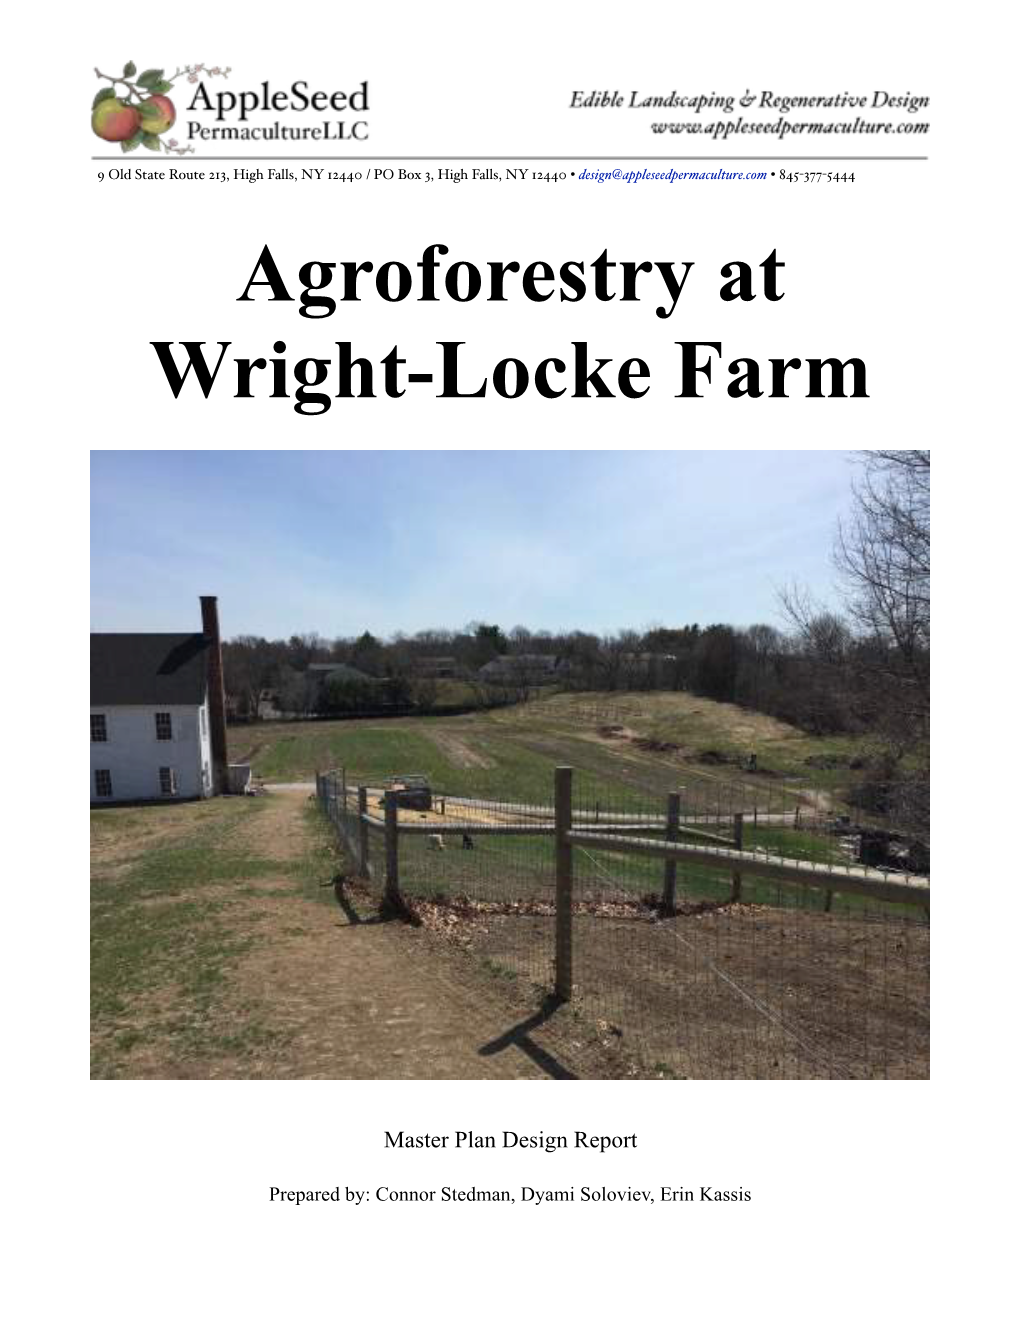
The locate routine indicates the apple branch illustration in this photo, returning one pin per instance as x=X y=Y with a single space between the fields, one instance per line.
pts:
x=140 y=115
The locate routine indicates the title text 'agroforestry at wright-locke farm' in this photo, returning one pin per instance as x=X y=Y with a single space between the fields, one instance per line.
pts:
x=579 y=374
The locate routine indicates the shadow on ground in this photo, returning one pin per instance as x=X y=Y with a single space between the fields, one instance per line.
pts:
x=519 y=1037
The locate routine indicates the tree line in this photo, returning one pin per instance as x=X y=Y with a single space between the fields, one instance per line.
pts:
x=861 y=668
x=806 y=679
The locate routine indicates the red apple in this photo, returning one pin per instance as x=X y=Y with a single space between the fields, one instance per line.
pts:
x=114 y=120
x=158 y=114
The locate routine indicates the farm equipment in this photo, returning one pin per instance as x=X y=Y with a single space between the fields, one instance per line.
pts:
x=411 y=792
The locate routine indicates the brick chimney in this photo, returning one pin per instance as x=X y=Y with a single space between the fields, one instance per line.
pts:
x=217 y=700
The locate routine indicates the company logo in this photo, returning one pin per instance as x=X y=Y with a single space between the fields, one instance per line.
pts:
x=136 y=110
x=142 y=113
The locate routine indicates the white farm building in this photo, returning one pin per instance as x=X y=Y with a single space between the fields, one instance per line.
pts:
x=158 y=722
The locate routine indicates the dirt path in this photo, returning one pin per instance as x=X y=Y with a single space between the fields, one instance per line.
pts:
x=355 y=1000
x=340 y=994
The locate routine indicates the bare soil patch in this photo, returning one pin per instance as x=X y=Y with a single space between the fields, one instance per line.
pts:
x=723 y=991
x=752 y=991
x=449 y=811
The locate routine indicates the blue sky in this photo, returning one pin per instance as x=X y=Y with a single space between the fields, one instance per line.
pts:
x=336 y=542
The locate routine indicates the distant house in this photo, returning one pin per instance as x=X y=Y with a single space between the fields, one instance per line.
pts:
x=531 y=669
x=158 y=723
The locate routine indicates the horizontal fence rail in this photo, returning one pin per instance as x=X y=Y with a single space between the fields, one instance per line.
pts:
x=849 y=879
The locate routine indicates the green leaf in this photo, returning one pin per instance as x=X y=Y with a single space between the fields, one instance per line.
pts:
x=158 y=88
x=149 y=77
x=103 y=95
x=132 y=142
x=151 y=140
x=129 y=70
x=149 y=111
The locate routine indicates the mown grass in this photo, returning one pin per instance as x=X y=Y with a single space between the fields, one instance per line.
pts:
x=370 y=753
x=523 y=744
x=801 y=844
x=175 y=905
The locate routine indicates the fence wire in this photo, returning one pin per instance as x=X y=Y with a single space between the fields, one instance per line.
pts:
x=740 y=975
x=360 y=839
x=487 y=880
x=703 y=966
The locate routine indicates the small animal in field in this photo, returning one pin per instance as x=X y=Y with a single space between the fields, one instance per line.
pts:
x=436 y=843
x=466 y=841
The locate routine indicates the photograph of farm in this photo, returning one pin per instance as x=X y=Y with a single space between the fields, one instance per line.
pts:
x=692 y=848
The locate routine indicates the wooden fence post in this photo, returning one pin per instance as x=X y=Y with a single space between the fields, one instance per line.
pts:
x=392 y=893
x=362 y=832
x=669 y=868
x=738 y=843
x=564 y=884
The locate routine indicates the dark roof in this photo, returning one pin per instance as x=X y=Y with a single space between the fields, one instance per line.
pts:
x=149 y=669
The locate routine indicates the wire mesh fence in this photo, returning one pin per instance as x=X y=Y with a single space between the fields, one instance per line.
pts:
x=764 y=948
x=346 y=807
x=724 y=930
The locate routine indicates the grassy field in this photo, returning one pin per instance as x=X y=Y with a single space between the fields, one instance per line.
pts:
x=663 y=740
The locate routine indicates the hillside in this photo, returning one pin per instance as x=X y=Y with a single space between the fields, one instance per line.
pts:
x=644 y=742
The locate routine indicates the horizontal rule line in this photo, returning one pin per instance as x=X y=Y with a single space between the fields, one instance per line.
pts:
x=579 y=158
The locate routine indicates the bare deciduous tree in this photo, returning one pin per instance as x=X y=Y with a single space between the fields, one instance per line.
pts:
x=882 y=646
x=884 y=556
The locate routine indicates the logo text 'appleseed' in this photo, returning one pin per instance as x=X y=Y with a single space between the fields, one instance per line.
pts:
x=296 y=97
